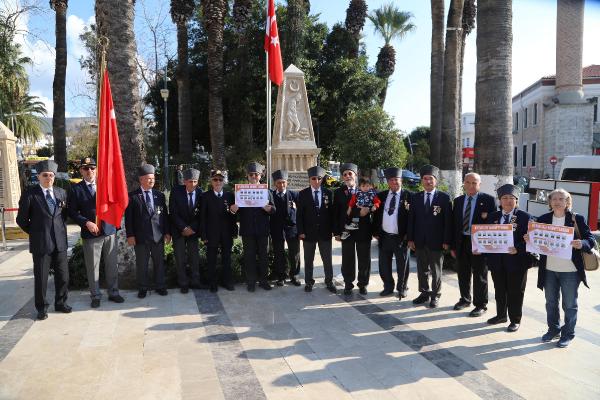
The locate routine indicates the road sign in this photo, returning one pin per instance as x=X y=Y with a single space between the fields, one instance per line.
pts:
x=553 y=161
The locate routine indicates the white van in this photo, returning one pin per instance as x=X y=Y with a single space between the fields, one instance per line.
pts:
x=580 y=168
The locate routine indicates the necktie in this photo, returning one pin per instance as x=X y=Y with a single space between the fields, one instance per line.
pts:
x=317 y=199
x=149 y=202
x=191 y=201
x=505 y=221
x=50 y=201
x=467 y=215
x=281 y=194
x=392 y=206
x=428 y=203
x=92 y=187
x=219 y=195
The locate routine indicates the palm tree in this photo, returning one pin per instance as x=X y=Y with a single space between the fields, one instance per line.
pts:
x=390 y=23
x=356 y=15
x=114 y=19
x=437 y=78
x=181 y=12
x=451 y=155
x=25 y=118
x=493 y=114
x=58 y=87
x=214 y=12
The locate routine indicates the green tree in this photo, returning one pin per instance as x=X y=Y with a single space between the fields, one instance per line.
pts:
x=390 y=23
x=371 y=140
x=418 y=139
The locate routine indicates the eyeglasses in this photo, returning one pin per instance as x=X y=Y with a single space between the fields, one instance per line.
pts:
x=348 y=173
x=253 y=174
x=47 y=175
x=315 y=178
x=88 y=168
x=217 y=179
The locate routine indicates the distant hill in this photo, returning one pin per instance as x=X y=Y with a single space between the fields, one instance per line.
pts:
x=71 y=123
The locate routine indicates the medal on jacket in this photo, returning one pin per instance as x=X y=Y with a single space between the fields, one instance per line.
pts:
x=158 y=210
x=406 y=205
x=513 y=221
x=484 y=215
x=437 y=210
x=326 y=200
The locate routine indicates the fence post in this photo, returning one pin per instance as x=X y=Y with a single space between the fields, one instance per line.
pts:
x=3 y=229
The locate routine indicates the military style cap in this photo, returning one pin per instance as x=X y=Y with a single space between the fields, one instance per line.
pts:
x=509 y=189
x=87 y=162
x=191 y=174
x=316 y=171
x=280 y=174
x=255 y=167
x=46 y=166
x=430 y=170
x=392 y=172
x=349 y=167
x=145 y=169
x=217 y=172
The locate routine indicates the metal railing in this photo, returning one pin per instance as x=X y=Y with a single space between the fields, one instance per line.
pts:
x=3 y=227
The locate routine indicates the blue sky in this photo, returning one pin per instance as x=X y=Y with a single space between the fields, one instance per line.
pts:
x=534 y=41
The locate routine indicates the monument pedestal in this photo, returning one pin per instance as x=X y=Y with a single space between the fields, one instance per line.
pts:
x=10 y=187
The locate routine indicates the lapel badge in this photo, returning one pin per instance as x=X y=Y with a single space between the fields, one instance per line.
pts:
x=437 y=210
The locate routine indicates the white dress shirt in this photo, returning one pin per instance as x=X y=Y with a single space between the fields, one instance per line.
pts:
x=389 y=223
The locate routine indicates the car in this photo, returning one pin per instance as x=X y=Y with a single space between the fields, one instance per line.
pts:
x=410 y=177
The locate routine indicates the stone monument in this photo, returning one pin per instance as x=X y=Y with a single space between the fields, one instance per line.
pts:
x=10 y=187
x=294 y=147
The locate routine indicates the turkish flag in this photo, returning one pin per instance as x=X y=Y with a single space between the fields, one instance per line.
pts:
x=111 y=187
x=272 y=46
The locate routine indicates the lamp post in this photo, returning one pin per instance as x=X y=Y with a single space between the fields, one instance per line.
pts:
x=164 y=93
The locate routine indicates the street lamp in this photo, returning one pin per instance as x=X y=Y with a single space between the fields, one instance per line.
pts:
x=164 y=93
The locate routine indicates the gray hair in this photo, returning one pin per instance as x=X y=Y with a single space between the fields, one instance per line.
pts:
x=474 y=175
x=562 y=191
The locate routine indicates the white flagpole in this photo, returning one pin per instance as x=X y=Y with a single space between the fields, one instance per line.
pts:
x=268 y=104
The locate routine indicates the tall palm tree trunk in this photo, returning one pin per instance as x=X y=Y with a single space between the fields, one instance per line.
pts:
x=115 y=21
x=214 y=19
x=450 y=155
x=58 y=87
x=493 y=114
x=184 y=101
x=468 y=23
x=437 y=78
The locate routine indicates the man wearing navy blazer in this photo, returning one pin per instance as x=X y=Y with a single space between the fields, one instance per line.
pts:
x=314 y=220
x=98 y=241
x=42 y=214
x=147 y=227
x=473 y=207
x=283 y=229
x=184 y=213
x=390 y=223
x=429 y=233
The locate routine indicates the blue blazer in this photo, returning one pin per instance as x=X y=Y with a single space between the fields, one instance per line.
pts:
x=180 y=214
x=511 y=262
x=82 y=208
x=283 y=222
x=139 y=222
x=432 y=229
x=587 y=242
x=484 y=206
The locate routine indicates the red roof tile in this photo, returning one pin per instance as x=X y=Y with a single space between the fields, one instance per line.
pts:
x=591 y=71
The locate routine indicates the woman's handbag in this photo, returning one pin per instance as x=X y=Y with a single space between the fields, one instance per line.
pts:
x=591 y=260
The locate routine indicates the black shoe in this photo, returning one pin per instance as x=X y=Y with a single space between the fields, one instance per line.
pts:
x=295 y=282
x=141 y=294
x=308 y=288
x=214 y=288
x=63 y=308
x=162 y=292
x=423 y=298
x=184 y=290
x=386 y=292
x=403 y=294
x=116 y=298
x=513 y=327
x=362 y=290
x=229 y=287
x=95 y=303
x=265 y=285
x=550 y=335
x=42 y=315
x=347 y=292
x=461 y=305
x=279 y=282
x=478 y=312
x=251 y=288
x=331 y=287
x=434 y=303
x=496 y=320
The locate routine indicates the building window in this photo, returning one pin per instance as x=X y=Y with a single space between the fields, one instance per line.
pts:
x=515 y=157
x=524 y=155
x=535 y=114
x=525 y=119
x=516 y=125
x=533 y=153
x=596 y=112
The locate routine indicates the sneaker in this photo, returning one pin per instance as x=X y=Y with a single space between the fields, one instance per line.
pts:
x=351 y=226
x=345 y=235
x=563 y=342
x=550 y=336
x=478 y=312
x=116 y=298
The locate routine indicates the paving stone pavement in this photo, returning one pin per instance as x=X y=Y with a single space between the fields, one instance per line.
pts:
x=286 y=344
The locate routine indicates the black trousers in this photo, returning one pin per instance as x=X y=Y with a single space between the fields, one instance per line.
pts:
x=293 y=257
x=391 y=246
x=309 y=257
x=351 y=250
x=211 y=256
x=429 y=262
x=471 y=265
x=255 y=245
x=143 y=252
x=186 y=252
x=510 y=290
x=41 y=267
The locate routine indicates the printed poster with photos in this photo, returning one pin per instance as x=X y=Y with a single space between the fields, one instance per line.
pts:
x=249 y=195
x=491 y=238
x=550 y=240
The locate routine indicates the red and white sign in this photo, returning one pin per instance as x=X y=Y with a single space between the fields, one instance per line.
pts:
x=553 y=160
x=249 y=195
x=491 y=238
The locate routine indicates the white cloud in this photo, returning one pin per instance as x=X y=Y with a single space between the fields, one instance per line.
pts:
x=47 y=102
